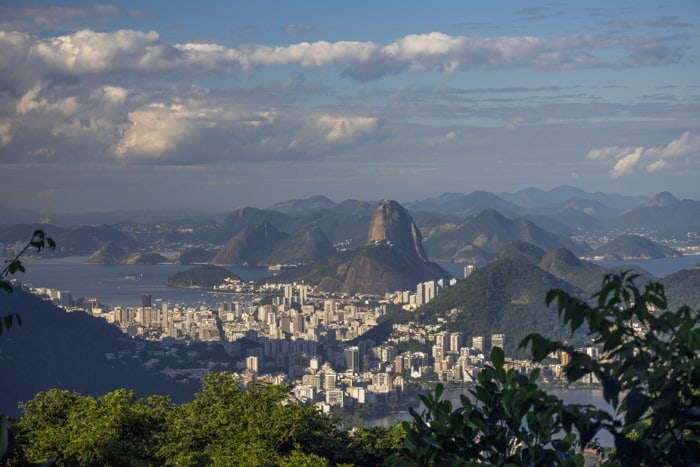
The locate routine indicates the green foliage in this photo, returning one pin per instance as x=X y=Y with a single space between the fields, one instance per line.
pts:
x=649 y=369
x=223 y=425
x=39 y=241
x=506 y=420
x=71 y=429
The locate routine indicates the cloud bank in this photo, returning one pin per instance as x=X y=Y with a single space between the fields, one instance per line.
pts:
x=87 y=52
x=627 y=160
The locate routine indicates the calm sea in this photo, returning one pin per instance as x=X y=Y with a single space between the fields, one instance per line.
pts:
x=124 y=284
x=120 y=284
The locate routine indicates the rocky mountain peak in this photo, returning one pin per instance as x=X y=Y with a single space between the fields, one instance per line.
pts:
x=391 y=222
x=662 y=199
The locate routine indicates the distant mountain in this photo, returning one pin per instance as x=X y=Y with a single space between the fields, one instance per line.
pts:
x=490 y=231
x=578 y=220
x=111 y=253
x=264 y=244
x=506 y=296
x=195 y=256
x=249 y=245
x=683 y=215
x=73 y=351
x=87 y=238
x=204 y=276
x=314 y=203
x=393 y=260
x=590 y=207
x=461 y=204
x=627 y=247
x=345 y=224
x=534 y=198
x=244 y=217
x=22 y=233
x=662 y=199
x=304 y=248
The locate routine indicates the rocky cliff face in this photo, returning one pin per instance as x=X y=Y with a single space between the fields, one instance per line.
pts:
x=393 y=260
x=393 y=224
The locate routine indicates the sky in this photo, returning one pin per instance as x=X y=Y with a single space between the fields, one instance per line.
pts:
x=219 y=104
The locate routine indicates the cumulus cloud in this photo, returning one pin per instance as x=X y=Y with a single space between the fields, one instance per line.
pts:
x=340 y=129
x=653 y=159
x=87 y=52
x=32 y=100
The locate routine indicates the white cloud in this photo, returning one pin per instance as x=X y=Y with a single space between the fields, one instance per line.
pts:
x=626 y=163
x=32 y=100
x=111 y=95
x=155 y=129
x=339 y=129
x=653 y=159
x=87 y=52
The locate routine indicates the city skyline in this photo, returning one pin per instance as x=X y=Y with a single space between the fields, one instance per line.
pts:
x=174 y=105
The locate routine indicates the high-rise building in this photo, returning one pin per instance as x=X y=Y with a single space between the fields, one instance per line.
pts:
x=352 y=358
x=420 y=294
x=146 y=300
x=479 y=344
x=498 y=340
x=251 y=364
x=456 y=341
x=429 y=290
x=303 y=290
x=469 y=269
x=442 y=339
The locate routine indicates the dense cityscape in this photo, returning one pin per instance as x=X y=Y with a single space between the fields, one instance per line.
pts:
x=312 y=340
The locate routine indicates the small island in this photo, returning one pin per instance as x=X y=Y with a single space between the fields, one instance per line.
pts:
x=204 y=277
x=111 y=253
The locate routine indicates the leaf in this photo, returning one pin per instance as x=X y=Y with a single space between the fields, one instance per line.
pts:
x=498 y=357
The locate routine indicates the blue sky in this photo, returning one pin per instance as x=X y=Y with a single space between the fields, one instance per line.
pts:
x=214 y=105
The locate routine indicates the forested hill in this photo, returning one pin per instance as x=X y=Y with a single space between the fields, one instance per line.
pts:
x=506 y=296
x=56 y=349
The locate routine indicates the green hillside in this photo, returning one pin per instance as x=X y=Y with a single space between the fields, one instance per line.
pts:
x=683 y=288
x=506 y=296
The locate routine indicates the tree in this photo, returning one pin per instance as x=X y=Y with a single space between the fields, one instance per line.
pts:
x=509 y=421
x=39 y=241
x=649 y=369
x=71 y=429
